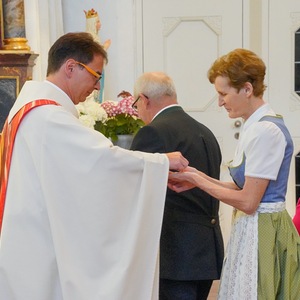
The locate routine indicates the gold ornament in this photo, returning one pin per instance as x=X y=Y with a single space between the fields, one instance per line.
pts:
x=91 y=13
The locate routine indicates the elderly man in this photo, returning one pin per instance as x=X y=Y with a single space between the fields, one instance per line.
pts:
x=191 y=246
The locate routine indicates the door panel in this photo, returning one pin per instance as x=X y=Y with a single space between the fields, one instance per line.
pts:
x=284 y=21
x=183 y=38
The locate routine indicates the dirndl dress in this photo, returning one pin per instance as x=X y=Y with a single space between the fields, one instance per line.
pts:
x=262 y=259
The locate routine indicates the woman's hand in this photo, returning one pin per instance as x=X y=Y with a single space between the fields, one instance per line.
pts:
x=184 y=180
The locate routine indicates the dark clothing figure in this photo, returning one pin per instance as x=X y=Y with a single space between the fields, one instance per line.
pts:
x=191 y=247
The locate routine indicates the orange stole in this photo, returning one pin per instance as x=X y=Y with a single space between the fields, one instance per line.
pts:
x=7 y=139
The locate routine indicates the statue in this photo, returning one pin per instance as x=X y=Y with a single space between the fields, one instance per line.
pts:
x=93 y=26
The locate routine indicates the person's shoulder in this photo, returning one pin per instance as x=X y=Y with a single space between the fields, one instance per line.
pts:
x=264 y=127
x=174 y=118
x=264 y=133
x=148 y=130
x=202 y=127
x=149 y=139
x=172 y=114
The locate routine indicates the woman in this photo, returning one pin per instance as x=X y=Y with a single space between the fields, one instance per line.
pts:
x=263 y=253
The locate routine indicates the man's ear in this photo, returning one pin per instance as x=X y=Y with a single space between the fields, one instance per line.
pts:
x=145 y=99
x=69 y=67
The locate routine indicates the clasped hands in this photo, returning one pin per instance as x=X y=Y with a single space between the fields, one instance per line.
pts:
x=181 y=176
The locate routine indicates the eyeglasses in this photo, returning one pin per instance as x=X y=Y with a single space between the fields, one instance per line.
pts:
x=91 y=71
x=134 y=106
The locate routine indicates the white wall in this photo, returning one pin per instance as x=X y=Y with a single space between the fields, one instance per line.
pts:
x=117 y=18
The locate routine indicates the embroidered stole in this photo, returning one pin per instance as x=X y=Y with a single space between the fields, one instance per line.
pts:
x=7 y=139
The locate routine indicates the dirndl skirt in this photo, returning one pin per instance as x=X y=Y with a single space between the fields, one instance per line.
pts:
x=278 y=257
x=262 y=259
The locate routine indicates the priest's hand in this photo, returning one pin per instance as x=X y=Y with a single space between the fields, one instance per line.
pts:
x=176 y=161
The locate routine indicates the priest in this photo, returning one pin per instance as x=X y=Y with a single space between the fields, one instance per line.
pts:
x=78 y=219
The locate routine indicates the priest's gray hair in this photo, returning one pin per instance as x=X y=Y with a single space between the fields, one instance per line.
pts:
x=155 y=85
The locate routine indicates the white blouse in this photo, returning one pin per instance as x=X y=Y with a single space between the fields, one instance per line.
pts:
x=263 y=144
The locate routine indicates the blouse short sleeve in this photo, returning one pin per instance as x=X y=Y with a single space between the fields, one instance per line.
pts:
x=264 y=150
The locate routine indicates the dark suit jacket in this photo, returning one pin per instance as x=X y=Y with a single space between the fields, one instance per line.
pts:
x=191 y=246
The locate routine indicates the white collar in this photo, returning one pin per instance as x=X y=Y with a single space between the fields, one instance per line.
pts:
x=172 y=105
x=263 y=110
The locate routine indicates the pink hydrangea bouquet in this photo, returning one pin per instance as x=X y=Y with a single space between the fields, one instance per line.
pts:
x=111 y=118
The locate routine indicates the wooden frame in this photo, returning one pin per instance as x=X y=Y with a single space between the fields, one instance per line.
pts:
x=1 y=25
x=9 y=90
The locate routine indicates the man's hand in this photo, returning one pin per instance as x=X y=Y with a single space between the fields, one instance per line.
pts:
x=177 y=161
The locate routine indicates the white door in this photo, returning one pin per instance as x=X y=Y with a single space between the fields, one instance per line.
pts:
x=183 y=38
x=284 y=21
